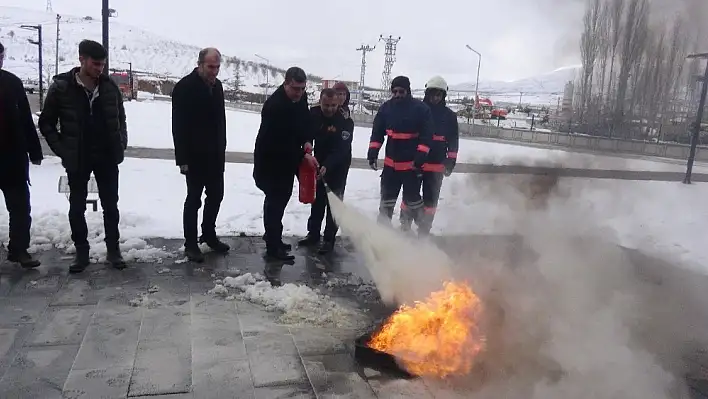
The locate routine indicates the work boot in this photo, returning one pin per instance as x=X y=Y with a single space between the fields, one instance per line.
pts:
x=81 y=260
x=326 y=247
x=193 y=253
x=215 y=244
x=23 y=258
x=309 y=241
x=279 y=255
x=114 y=258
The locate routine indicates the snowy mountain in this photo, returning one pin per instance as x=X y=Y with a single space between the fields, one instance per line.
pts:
x=546 y=86
x=152 y=56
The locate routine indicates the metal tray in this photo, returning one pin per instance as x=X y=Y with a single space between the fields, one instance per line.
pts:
x=377 y=360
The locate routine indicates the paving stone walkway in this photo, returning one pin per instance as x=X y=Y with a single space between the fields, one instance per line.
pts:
x=152 y=330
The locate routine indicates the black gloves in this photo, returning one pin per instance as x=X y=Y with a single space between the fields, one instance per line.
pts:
x=449 y=166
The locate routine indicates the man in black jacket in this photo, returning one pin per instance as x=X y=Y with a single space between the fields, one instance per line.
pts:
x=199 y=133
x=88 y=106
x=18 y=139
x=283 y=141
x=333 y=150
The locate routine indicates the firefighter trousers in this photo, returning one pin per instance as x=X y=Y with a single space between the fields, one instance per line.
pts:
x=391 y=183
x=431 y=184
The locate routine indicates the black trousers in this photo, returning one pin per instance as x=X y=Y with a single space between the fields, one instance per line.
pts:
x=391 y=183
x=106 y=174
x=337 y=182
x=17 y=201
x=277 y=189
x=431 y=184
x=199 y=182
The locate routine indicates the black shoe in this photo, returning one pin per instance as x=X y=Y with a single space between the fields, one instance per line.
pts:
x=285 y=247
x=115 y=259
x=279 y=255
x=24 y=259
x=215 y=244
x=326 y=247
x=309 y=241
x=81 y=261
x=194 y=254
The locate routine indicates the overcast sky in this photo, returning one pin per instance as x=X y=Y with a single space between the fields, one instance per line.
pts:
x=517 y=38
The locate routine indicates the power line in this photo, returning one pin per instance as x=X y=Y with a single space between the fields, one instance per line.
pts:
x=364 y=50
x=391 y=44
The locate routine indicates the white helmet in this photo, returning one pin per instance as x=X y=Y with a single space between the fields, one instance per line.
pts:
x=437 y=82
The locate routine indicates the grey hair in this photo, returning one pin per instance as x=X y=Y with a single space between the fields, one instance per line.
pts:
x=205 y=51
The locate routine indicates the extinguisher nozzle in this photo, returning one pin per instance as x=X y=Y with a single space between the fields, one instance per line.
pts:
x=326 y=186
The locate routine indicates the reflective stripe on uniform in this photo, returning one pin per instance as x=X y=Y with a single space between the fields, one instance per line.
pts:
x=452 y=154
x=388 y=203
x=433 y=167
x=415 y=205
x=423 y=148
x=429 y=210
x=375 y=144
x=403 y=206
x=439 y=138
x=398 y=165
x=400 y=136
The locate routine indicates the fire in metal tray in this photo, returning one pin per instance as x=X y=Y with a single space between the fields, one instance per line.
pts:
x=437 y=338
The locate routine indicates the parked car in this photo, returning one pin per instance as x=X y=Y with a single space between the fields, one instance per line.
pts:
x=31 y=86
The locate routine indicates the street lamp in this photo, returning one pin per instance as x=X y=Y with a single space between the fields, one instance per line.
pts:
x=267 y=61
x=699 y=118
x=476 y=86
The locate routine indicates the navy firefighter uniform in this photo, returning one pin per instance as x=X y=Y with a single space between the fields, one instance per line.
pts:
x=407 y=124
x=333 y=151
x=442 y=156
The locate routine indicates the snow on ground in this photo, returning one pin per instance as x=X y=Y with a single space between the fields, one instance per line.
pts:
x=661 y=217
x=150 y=125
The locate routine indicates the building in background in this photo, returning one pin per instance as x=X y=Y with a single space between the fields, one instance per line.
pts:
x=566 y=110
x=329 y=83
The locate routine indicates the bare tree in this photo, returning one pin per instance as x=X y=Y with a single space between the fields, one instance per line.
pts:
x=635 y=31
x=589 y=49
x=616 y=9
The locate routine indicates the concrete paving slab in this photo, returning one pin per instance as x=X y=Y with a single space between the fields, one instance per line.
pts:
x=111 y=339
x=12 y=338
x=319 y=341
x=336 y=376
x=22 y=309
x=276 y=370
x=295 y=391
x=38 y=372
x=219 y=380
x=216 y=331
x=109 y=383
x=62 y=326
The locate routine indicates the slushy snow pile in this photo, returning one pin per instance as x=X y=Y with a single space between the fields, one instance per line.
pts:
x=299 y=304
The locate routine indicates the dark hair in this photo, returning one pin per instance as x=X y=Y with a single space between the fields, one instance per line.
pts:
x=327 y=92
x=295 y=74
x=205 y=51
x=91 y=49
x=2 y=48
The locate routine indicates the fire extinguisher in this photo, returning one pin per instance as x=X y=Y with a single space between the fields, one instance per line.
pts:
x=307 y=176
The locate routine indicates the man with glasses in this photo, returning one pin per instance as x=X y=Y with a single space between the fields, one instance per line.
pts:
x=408 y=124
x=199 y=134
x=283 y=141
x=442 y=157
x=19 y=144
x=88 y=106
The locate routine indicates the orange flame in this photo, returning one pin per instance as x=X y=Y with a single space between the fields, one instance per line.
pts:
x=439 y=337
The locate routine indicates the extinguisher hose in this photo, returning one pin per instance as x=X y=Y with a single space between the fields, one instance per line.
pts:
x=326 y=186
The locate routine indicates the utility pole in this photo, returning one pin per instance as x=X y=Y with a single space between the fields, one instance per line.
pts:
x=699 y=118
x=364 y=50
x=390 y=59
x=132 y=82
x=267 y=73
x=105 y=14
x=476 y=87
x=38 y=43
x=56 y=62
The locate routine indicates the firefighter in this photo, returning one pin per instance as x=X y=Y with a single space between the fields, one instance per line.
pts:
x=441 y=158
x=333 y=149
x=408 y=124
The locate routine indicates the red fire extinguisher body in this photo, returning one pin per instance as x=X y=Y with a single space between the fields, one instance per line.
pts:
x=307 y=177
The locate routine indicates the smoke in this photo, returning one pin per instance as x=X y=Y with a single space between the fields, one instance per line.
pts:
x=568 y=315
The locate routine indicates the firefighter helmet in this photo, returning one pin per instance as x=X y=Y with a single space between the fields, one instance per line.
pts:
x=437 y=82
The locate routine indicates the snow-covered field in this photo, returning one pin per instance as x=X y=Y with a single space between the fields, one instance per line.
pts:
x=150 y=125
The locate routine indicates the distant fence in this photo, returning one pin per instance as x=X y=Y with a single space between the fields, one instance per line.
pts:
x=575 y=141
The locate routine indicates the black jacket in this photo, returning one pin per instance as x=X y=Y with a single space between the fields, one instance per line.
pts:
x=446 y=139
x=67 y=105
x=199 y=123
x=332 y=139
x=285 y=128
x=18 y=134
